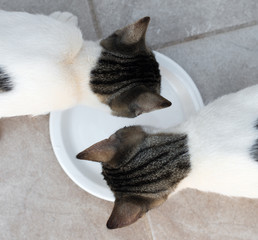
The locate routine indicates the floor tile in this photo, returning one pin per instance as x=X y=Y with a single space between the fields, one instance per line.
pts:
x=220 y=64
x=37 y=199
x=195 y=215
x=175 y=20
x=80 y=8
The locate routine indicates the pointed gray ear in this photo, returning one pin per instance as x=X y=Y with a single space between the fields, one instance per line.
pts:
x=147 y=102
x=102 y=151
x=128 y=39
x=125 y=212
x=135 y=32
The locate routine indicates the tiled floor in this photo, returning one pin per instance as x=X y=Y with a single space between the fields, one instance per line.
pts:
x=216 y=42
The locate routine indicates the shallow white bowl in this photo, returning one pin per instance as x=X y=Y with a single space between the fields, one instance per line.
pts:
x=75 y=129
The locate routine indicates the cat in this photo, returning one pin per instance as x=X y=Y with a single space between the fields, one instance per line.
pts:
x=45 y=65
x=214 y=151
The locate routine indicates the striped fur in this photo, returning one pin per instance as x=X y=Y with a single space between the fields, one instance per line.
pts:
x=154 y=167
x=115 y=74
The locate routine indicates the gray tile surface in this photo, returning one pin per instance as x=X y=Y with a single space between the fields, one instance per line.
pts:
x=194 y=215
x=220 y=64
x=80 y=8
x=175 y=20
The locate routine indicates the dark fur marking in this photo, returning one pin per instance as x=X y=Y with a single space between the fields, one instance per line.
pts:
x=143 y=179
x=115 y=74
x=137 y=172
x=158 y=165
x=141 y=191
x=254 y=149
x=152 y=146
x=5 y=81
x=115 y=88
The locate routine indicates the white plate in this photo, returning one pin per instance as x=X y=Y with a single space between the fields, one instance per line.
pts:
x=73 y=130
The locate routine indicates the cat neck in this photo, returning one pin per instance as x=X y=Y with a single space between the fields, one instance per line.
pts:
x=84 y=63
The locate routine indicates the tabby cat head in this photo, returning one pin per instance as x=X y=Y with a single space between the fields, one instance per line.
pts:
x=127 y=76
x=141 y=169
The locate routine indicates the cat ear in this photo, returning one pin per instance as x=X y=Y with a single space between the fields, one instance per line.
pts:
x=128 y=39
x=125 y=212
x=147 y=102
x=135 y=32
x=102 y=151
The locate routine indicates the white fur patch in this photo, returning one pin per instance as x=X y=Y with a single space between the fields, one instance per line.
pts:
x=220 y=139
x=48 y=61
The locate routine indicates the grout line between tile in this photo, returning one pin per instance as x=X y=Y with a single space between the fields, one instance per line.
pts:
x=94 y=19
x=206 y=34
x=151 y=227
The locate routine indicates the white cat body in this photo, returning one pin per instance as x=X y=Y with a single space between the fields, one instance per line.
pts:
x=48 y=63
x=45 y=65
x=220 y=139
